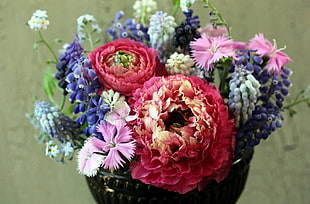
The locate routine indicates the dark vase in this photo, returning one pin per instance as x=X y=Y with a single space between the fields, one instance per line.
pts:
x=109 y=188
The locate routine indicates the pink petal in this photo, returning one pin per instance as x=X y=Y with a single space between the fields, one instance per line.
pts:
x=88 y=161
x=113 y=160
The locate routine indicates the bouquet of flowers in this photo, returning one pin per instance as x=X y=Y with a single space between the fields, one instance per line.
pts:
x=170 y=101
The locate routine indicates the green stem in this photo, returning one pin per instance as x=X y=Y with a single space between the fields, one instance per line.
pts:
x=223 y=74
x=219 y=15
x=48 y=46
x=53 y=101
x=63 y=101
x=296 y=102
x=143 y=16
x=175 y=10
x=90 y=38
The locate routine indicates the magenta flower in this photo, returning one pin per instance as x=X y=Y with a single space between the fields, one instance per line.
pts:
x=184 y=133
x=209 y=50
x=116 y=141
x=106 y=153
x=88 y=160
x=264 y=47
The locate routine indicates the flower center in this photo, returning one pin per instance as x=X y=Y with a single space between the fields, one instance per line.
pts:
x=88 y=155
x=214 y=48
x=123 y=59
x=177 y=119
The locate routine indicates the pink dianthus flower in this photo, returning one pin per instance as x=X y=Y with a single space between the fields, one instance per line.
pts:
x=264 y=47
x=209 y=50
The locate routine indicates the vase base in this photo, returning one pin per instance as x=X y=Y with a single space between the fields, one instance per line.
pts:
x=118 y=189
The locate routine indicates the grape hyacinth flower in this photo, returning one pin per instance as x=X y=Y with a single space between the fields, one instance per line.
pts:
x=187 y=31
x=94 y=115
x=128 y=29
x=263 y=47
x=67 y=61
x=243 y=95
x=82 y=82
x=55 y=123
x=39 y=20
x=266 y=117
x=209 y=50
x=143 y=9
x=161 y=31
x=180 y=64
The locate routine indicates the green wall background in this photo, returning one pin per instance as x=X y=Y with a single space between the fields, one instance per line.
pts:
x=280 y=171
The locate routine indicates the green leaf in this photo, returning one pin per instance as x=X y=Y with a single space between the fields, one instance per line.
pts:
x=35 y=46
x=97 y=41
x=58 y=40
x=69 y=110
x=49 y=83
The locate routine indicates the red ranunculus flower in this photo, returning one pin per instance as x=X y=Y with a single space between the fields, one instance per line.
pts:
x=124 y=64
x=184 y=134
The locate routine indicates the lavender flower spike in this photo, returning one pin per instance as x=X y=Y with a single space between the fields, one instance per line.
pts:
x=161 y=31
x=244 y=92
x=55 y=123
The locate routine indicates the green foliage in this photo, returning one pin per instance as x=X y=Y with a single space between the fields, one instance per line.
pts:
x=49 y=83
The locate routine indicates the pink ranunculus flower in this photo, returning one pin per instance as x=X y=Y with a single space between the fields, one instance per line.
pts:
x=184 y=133
x=264 y=47
x=124 y=64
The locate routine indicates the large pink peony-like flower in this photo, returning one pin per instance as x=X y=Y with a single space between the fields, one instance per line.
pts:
x=184 y=134
x=124 y=64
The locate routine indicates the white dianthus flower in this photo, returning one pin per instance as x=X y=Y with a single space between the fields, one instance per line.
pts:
x=180 y=64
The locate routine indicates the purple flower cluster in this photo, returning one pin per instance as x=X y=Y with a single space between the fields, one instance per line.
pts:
x=66 y=62
x=78 y=78
x=94 y=115
x=187 y=31
x=266 y=117
x=128 y=29
x=55 y=123
x=82 y=82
